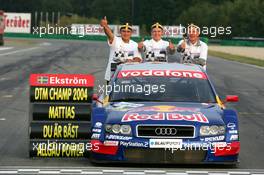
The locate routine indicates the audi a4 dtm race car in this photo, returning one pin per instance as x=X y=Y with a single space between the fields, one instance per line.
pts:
x=163 y=113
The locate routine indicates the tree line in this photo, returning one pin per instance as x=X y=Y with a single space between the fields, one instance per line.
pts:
x=245 y=17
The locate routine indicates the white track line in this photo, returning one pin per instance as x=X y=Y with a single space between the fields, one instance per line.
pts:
x=6 y=48
x=9 y=172
x=17 y=51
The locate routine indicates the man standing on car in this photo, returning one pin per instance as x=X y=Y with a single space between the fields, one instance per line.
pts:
x=193 y=47
x=120 y=44
x=157 y=46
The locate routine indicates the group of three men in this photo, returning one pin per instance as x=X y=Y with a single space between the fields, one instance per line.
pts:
x=156 y=45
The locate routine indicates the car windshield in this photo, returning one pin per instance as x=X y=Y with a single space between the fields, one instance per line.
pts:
x=165 y=89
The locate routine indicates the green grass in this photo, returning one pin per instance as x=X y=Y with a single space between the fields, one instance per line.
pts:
x=241 y=59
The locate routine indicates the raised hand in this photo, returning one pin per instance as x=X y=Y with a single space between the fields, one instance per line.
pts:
x=140 y=44
x=171 y=45
x=183 y=44
x=104 y=22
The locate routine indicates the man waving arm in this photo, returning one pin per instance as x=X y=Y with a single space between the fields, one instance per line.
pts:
x=107 y=30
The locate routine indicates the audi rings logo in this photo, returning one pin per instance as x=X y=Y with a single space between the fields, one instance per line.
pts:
x=166 y=131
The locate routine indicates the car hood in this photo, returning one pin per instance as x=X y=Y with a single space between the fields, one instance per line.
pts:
x=164 y=113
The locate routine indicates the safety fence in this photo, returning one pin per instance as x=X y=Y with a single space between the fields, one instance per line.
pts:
x=85 y=37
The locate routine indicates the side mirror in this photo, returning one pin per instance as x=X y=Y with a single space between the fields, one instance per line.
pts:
x=96 y=98
x=231 y=98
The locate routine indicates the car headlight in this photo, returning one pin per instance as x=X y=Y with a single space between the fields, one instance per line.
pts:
x=125 y=129
x=211 y=130
x=108 y=128
x=118 y=129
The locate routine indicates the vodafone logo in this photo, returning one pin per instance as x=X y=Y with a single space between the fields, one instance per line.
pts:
x=161 y=73
x=198 y=117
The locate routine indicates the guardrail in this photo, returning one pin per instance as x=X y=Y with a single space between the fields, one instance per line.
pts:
x=242 y=43
x=232 y=42
x=77 y=37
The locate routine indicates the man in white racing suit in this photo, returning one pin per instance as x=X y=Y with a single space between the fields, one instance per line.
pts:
x=122 y=46
x=156 y=47
x=193 y=49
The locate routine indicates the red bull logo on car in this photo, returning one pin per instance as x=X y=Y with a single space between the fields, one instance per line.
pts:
x=197 y=117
